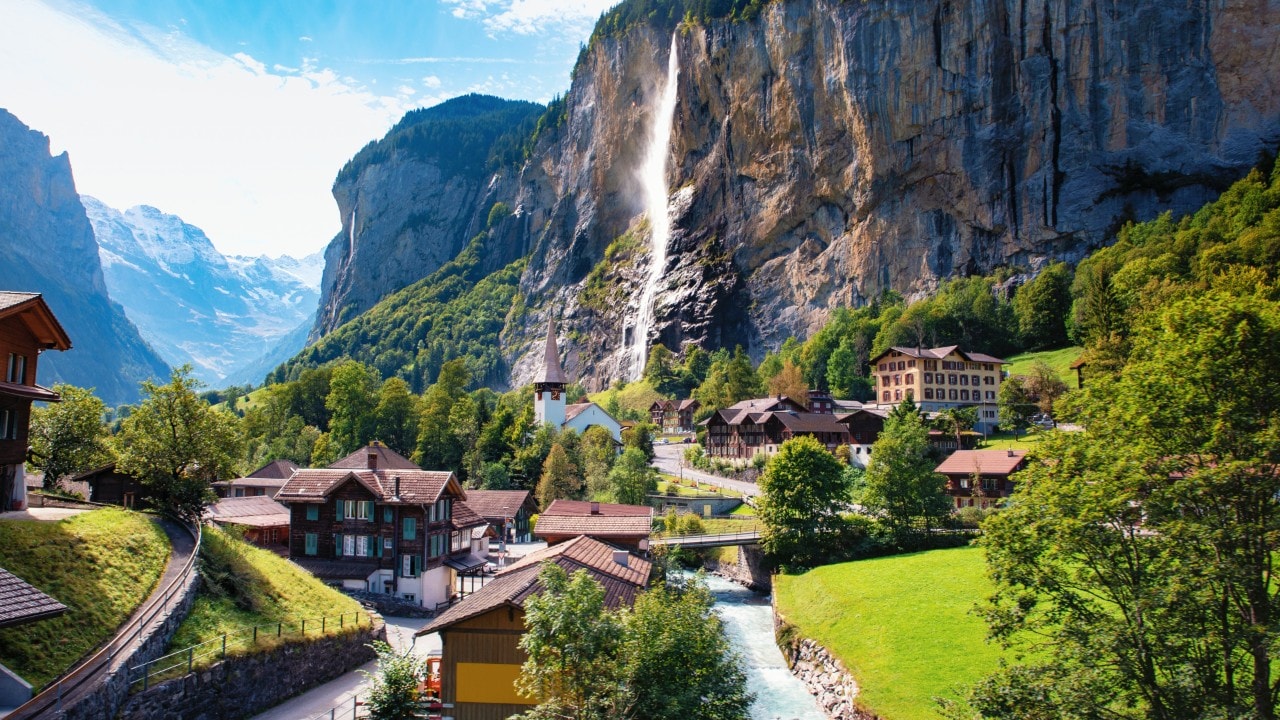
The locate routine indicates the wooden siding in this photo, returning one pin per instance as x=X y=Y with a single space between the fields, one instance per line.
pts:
x=16 y=338
x=491 y=638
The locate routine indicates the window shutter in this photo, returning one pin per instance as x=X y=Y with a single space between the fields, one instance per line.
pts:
x=410 y=528
x=313 y=512
x=377 y=546
x=337 y=545
x=310 y=543
x=386 y=514
x=368 y=546
x=340 y=509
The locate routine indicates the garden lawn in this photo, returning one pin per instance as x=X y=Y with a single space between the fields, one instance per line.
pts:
x=902 y=625
x=1026 y=440
x=100 y=564
x=246 y=586
x=1060 y=360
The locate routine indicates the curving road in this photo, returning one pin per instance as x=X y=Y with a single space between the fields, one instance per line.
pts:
x=669 y=459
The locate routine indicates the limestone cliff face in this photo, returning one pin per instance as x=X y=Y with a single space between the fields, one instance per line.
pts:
x=825 y=151
x=47 y=246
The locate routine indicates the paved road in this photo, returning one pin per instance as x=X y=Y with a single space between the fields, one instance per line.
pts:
x=338 y=693
x=667 y=458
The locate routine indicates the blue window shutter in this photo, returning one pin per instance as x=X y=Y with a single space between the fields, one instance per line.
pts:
x=313 y=512
x=410 y=528
x=337 y=545
x=386 y=514
x=377 y=546
x=369 y=542
x=311 y=544
x=339 y=509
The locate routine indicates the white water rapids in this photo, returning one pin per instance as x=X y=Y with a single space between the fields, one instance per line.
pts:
x=653 y=179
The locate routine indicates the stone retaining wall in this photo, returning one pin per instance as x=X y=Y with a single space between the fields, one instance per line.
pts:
x=749 y=569
x=244 y=686
x=825 y=676
x=106 y=699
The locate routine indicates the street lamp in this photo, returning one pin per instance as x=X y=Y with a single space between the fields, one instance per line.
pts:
x=502 y=541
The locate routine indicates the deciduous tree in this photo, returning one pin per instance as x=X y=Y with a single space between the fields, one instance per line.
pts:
x=632 y=480
x=560 y=479
x=176 y=444
x=901 y=482
x=804 y=489
x=69 y=436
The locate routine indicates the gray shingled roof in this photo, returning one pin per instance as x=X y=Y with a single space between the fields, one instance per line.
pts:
x=22 y=603
x=489 y=503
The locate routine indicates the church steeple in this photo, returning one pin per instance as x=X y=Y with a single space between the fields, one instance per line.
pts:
x=548 y=389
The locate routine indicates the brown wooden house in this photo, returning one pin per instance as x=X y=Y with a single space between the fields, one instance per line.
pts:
x=624 y=526
x=382 y=529
x=674 y=416
x=760 y=426
x=511 y=509
x=263 y=521
x=27 y=328
x=480 y=635
x=111 y=487
x=980 y=478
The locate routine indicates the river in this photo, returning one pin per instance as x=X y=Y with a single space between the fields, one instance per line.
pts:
x=748 y=621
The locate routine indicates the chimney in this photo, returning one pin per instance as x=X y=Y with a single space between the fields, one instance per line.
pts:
x=1010 y=452
x=595 y=508
x=372 y=461
x=397 y=493
x=621 y=557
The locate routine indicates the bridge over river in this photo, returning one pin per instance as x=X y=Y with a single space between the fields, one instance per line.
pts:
x=750 y=537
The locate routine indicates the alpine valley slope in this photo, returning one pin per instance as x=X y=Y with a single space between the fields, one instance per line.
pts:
x=47 y=246
x=197 y=306
x=821 y=153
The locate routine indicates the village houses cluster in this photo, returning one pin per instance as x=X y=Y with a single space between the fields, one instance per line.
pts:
x=376 y=523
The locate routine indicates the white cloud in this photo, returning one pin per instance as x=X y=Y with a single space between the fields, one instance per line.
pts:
x=304 y=38
x=431 y=81
x=528 y=17
x=245 y=152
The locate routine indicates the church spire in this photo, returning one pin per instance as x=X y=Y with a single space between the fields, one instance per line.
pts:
x=552 y=373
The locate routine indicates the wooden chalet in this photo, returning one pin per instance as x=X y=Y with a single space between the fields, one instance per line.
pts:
x=111 y=487
x=265 y=481
x=264 y=521
x=674 y=416
x=481 y=635
x=760 y=426
x=511 y=509
x=382 y=527
x=624 y=526
x=27 y=328
x=981 y=478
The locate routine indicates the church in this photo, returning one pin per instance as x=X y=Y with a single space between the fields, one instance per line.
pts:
x=549 y=401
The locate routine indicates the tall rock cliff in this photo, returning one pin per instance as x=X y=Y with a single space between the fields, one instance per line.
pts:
x=823 y=152
x=47 y=246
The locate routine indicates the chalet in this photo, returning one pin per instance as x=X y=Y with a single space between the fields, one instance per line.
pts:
x=480 y=636
x=264 y=521
x=265 y=481
x=939 y=379
x=864 y=428
x=549 y=401
x=27 y=328
x=980 y=478
x=111 y=487
x=381 y=528
x=762 y=425
x=505 y=508
x=624 y=526
x=673 y=416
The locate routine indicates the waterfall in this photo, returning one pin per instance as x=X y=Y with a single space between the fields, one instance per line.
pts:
x=653 y=179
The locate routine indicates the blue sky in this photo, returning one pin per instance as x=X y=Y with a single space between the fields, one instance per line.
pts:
x=238 y=115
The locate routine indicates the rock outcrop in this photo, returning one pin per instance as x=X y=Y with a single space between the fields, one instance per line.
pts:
x=826 y=151
x=47 y=246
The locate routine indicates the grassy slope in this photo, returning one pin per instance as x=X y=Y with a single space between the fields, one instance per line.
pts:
x=637 y=396
x=1059 y=360
x=267 y=589
x=100 y=564
x=903 y=625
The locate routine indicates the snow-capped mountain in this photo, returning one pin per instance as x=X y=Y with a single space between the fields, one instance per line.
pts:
x=193 y=304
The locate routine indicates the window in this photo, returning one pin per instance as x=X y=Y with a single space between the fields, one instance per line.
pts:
x=388 y=543
x=911 y=378
x=313 y=512
x=928 y=377
x=17 y=368
x=311 y=543
x=363 y=548
x=357 y=510
x=911 y=363
x=897 y=394
x=911 y=393
x=386 y=514
x=928 y=393
x=348 y=545
x=953 y=393
x=8 y=424
x=964 y=394
x=964 y=379
x=884 y=380
x=975 y=380
x=881 y=367
x=410 y=528
x=410 y=565
x=991 y=395
x=885 y=396
x=964 y=483
x=951 y=379
x=897 y=379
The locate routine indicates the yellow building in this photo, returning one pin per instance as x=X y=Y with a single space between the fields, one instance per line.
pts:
x=939 y=379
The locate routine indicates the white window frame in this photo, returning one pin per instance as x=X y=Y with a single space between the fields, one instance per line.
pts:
x=348 y=545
